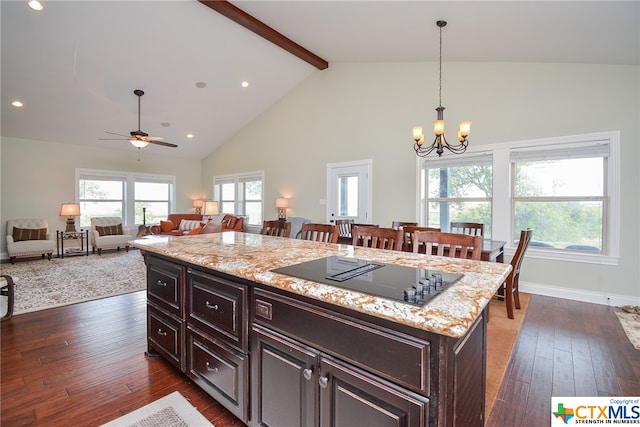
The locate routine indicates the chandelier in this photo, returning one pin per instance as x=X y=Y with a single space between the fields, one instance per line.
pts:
x=440 y=142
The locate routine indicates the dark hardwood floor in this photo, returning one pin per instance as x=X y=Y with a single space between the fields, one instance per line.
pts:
x=85 y=364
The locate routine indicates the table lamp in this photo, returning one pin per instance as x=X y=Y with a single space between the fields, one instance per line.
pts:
x=70 y=210
x=211 y=208
x=282 y=204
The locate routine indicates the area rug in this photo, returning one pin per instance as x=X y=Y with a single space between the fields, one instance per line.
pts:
x=173 y=410
x=502 y=334
x=42 y=284
x=631 y=324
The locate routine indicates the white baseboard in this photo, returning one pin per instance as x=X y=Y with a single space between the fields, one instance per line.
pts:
x=613 y=300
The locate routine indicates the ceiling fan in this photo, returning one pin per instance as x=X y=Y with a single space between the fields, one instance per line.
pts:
x=138 y=138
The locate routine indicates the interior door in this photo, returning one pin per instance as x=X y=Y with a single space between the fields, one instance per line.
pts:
x=349 y=191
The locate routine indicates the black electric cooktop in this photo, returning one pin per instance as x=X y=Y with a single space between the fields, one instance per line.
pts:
x=411 y=285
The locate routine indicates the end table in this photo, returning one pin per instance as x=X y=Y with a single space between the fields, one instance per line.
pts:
x=82 y=236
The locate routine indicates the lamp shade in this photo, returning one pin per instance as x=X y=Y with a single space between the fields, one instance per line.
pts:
x=282 y=203
x=69 y=209
x=198 y=203
x=211 y=208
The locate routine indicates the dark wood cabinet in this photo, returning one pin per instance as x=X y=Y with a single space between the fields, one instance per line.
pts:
x=275 y=358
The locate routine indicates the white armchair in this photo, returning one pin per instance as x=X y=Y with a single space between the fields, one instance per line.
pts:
x=29 y=237
x=107 y=233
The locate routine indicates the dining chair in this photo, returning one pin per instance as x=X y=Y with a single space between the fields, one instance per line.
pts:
x=511 y=293
x=276 y=228
x=399 y=225
x=453 y=245
x=320 y=232
x=407 y=244
x=344 y=228
x=376 y=237
x=472 y=228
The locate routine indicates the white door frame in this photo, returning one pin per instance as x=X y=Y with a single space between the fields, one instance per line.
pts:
x=368 y=165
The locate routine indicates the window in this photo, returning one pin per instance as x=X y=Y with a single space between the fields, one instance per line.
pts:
x=561 y=193
x=457 y=189
x=565 y=188
x=241 y=195
x=122 y=194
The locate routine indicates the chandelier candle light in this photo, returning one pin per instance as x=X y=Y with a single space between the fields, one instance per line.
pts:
x=440 y=142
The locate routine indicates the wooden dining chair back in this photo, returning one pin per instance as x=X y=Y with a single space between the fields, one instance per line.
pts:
x=376 y=237
x=472 y=228
x=320 y=232
x=399 y=225
x=453 y=245
x=344 y=227
x=407 y=244
x=511 y=292
x=276 y=228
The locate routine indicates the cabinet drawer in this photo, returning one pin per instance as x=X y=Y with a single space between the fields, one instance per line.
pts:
x=165 y=334
x=218 y=307
x=399 y=358
x=220 y=371
x=165 y=285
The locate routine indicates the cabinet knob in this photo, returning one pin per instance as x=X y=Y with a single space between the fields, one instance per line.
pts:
x=211 y=306
x=212 y=368
x=323 y=381
x=161 y=332
x=161 y=283
x=307 y=373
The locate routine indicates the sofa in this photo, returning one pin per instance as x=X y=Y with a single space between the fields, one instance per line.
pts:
x=107 y=233
x=29 y=237
x=184 y=224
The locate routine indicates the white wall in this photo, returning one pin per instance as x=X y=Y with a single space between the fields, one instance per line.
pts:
x=366 y=111
x=36 y=177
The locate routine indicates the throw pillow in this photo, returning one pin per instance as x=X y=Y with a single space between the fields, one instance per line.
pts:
x=167 y=225
x=212 y=227
x=195 y=231
x=21 y=234
x=109 y=230
x=188 y=225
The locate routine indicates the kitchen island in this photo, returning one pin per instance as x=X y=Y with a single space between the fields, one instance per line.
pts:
x=279 y=350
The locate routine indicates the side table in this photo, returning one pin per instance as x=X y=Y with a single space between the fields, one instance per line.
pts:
x=82 y=236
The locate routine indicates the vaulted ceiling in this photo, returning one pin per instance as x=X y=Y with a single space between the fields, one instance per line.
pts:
x=76 y=63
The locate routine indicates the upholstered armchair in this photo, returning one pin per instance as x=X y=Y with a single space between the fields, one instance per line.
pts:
x=29 y=237
x=107 y=233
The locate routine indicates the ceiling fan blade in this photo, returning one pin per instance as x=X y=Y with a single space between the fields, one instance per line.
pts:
x=164 y=143
x=119 y=134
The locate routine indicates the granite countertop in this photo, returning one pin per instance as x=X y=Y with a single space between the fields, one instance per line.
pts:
x=251 y=256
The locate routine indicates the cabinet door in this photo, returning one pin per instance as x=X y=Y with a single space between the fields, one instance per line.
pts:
x=350 y=397
x=284 y=381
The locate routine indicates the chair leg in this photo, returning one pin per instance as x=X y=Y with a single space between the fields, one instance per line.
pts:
x=8 y=291
x=12 y=259
x=516 y=291
x=49 y=256
x=508 y=297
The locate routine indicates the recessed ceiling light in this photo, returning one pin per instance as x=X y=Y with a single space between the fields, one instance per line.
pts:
x=17 y=103
x=165 y=124
x=201 y=85
x=244 y=84
x=189 y=135
x=35 y=5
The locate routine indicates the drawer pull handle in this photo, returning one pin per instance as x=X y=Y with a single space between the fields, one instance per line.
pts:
x=209 y=305
x=307 y=373
x=161 y=332
x=323 y=381
x=212 y=368
x=161 y=283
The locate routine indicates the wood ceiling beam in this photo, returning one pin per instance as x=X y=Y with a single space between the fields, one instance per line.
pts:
x=263 y=30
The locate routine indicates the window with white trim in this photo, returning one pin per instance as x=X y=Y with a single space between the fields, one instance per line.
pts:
x=241 y=194
x=567 y=189
x=457 y=189
x=561 y=192
x=124 y=195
